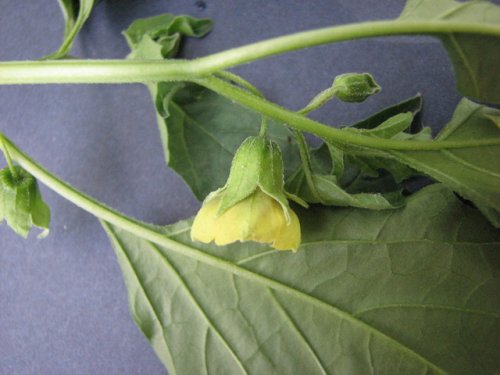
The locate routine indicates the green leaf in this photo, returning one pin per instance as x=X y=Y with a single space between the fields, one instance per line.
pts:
x=361 y=169
x=75 y=13
x=21 y=204
x=407 y=291
x=390 y=127
x=346 y=177
x=355 y=188
x=475 y=57
x=379 y=166
x=412 y=105
x=374 y=165
x=369 y=169
x=473 y=172
x=159 y=37
x=329 y=192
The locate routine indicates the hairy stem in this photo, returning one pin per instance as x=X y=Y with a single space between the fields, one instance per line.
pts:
x=231 y=77
x=240 y=81
x=128 y=71
x=300 y=122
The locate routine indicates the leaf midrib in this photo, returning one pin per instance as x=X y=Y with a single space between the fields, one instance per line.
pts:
x=474 y=167
x=108 y=229
x=455 y=9
x=426 y=306
x=194 y=122
x=202 y=312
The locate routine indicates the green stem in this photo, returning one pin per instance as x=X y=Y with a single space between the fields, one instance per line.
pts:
x=229 y=76
x=125 y=71
x=305 y=156
x=92 y=71
x=300 y=122
x=8 y=158
x=319 y=100
x=263 y=127
x=67 y=191
x=306 y=163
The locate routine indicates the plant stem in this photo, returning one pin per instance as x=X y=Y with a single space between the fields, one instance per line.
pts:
x=8 y=158
x=65 y=190
x=240 y=81
x=306 y=163
x=300 y=122
x=130 y=71
x=229 y=76
x=305 y=156
x=92 y=71
x=263 y=127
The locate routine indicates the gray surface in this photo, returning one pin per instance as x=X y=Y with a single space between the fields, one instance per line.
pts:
x=63 y=307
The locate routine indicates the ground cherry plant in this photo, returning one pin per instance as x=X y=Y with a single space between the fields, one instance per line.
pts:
x=303 y=260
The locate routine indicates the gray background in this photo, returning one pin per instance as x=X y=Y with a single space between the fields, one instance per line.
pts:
x=63 y=306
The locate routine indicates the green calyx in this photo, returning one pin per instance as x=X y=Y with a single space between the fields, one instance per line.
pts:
x=257 y=164
x=21 y=204
x=354 y=87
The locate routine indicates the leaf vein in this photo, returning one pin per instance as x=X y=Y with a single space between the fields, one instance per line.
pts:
x=454 y=157
x=202 y=312
x=299 y=332
x=466 y=64
x=202 y=129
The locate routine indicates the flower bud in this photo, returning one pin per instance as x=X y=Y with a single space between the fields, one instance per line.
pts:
x=21 y=204
x=354 y=87
x=252 y=206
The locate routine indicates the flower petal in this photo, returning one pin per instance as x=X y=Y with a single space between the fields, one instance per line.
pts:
x=289 y=236
x=266 y=218
x=204 y=224
x=234 y=224
x=258 y=217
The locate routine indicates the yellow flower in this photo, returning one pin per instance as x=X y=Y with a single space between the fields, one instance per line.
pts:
x=259 y=217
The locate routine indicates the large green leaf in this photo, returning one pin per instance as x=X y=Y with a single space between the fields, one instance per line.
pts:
x=473 y=172
x=75 y=13
x=407 y=291
x=475 y=57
